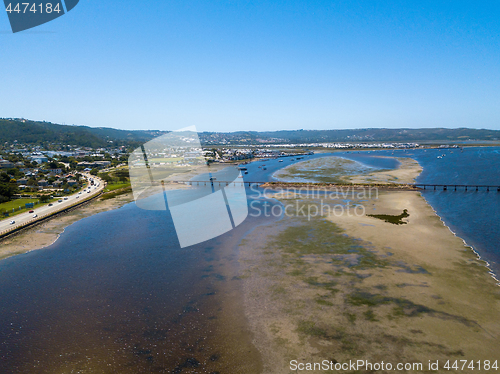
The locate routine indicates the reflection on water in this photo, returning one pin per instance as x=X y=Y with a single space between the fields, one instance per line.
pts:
x=116 y=294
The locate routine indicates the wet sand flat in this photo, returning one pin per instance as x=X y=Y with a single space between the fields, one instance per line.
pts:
x=397 y=288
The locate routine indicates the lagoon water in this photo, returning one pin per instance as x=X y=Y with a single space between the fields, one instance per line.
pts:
x=116 y=294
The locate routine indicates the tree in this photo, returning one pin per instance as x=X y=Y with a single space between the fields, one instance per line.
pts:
x=4 y=178
x=105 y=177
x=44 y=198
x=122 y=175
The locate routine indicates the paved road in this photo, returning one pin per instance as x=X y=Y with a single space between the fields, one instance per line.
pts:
x=23 y=218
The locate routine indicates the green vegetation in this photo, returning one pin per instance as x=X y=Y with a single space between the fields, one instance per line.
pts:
x=116 y=186
x=7 y=187
x=321 y=237
x=310 y=328
x=396 y=220
x=41 y=132
x=358 y=135
x=118 y=183
x=7 y=207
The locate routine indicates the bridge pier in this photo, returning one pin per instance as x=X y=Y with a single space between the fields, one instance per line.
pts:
x=477 y=188
x=444 y=188
x=455 y=188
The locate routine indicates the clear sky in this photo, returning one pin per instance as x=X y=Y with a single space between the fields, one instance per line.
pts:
x=257 y=65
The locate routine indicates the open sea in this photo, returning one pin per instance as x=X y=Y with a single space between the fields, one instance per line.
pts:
x=116 y=293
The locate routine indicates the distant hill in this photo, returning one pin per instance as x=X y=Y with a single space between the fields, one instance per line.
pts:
x=37 y=132
x=357 y=135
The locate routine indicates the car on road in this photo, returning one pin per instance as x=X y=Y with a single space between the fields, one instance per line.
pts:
x=12 y=222
x=51 y=204
x=35 y=215
x=77 y=197
x=31 y=211
x=59 y=201
x=65 y=198
x=79 y=193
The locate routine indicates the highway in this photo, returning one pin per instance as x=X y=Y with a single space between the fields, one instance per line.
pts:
x=67 y=201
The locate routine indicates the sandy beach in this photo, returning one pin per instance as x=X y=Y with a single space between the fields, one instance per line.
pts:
x=349 y=286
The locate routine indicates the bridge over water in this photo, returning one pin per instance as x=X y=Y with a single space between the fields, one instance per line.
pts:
x=389 y=186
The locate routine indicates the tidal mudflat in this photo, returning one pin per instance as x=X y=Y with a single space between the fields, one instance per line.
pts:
x=344 y=287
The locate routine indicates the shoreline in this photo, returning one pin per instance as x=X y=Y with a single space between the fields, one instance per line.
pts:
x=467 y=245
x=44 y=234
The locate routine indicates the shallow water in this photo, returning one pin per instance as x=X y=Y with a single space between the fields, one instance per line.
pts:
x=116 y=294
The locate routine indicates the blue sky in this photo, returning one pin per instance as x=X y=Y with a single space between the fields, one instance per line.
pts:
x=257 y=65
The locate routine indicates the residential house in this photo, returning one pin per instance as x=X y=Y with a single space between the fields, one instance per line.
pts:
x=6 y=164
